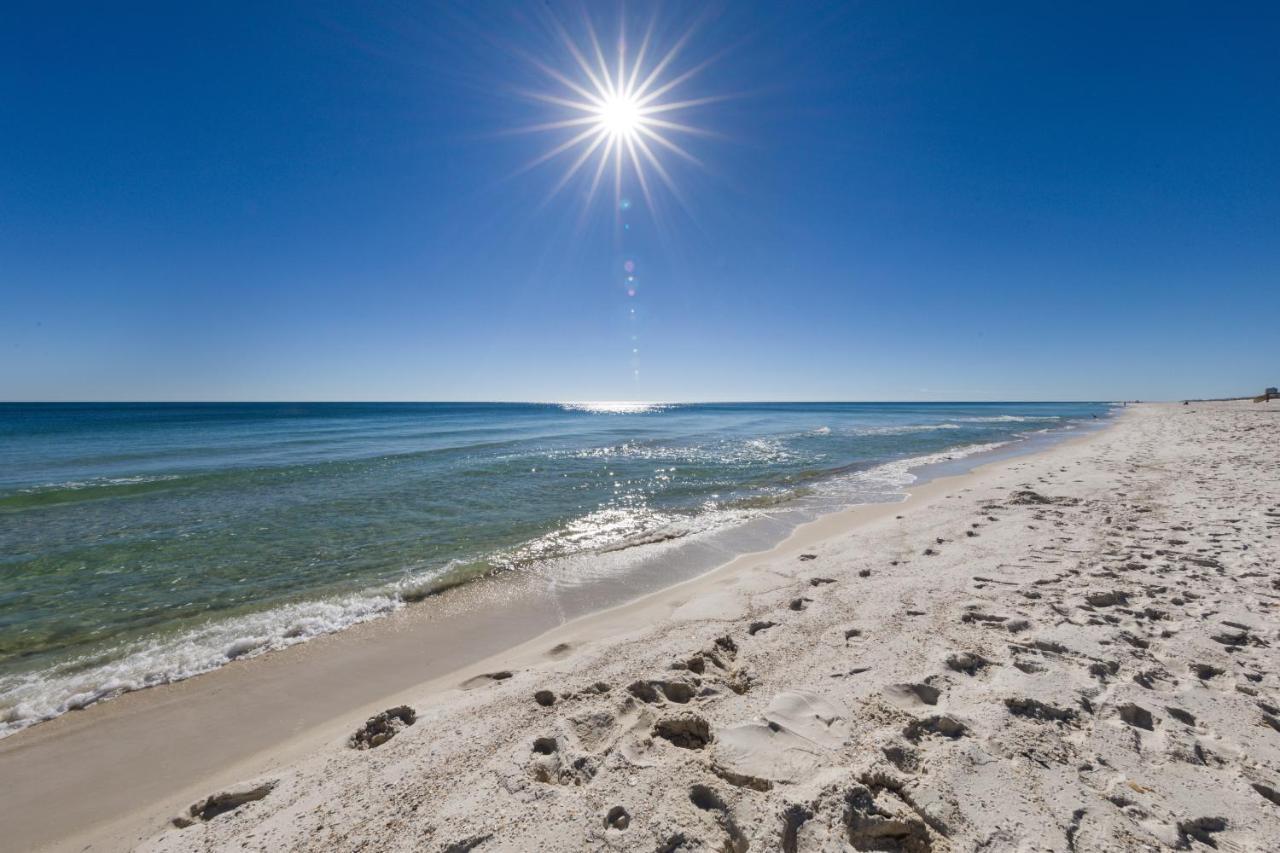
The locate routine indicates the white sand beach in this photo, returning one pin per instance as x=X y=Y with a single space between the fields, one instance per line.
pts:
x=1071 y=650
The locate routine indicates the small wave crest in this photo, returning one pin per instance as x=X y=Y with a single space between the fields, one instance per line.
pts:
x=889 y=478
x=1004 y=419
x=907 y=429
x=98 y=482
x=82 y=490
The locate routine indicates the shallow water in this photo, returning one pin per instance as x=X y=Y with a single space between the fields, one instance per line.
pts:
x=143 y=543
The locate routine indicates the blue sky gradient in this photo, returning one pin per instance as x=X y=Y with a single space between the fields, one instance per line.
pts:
x=905 y=201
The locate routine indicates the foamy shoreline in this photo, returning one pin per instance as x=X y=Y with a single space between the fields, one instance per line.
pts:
x=677 y=751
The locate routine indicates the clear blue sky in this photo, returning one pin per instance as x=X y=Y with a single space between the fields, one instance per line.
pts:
x=901 y=201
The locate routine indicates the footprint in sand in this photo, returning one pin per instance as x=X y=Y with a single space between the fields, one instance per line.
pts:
x=793 y=817
x=879 y=818
x=1012 y=625
x=653 y=691
x=943 y=725
x=687 y=731
x=1200 y=829
x=1106 y=598
x=1204 y=671
x=552 y=766
x=967 y=662
x=618 y=818
x=223 y=802
x=487 y=678
x=382 y=727
x=1034 y=709
x=1137 y=716
x=910 y=695
x=707 y=800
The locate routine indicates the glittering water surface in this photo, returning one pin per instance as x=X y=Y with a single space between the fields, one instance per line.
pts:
x=143 y=543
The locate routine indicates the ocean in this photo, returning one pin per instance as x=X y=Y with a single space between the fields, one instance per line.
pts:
x=145 y=543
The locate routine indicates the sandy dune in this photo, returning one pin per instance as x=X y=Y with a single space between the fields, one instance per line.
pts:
x=1077 y=650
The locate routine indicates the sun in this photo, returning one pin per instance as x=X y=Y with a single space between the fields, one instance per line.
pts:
x=621 y=114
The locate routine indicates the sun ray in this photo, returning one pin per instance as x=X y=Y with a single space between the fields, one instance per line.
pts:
x=669 y=145
x=622 y=54
x=644 y=48
x=577 y=164
x=609 y=89
x=682 y=105
x=557 y=101
x=601 y=91
x=559 y=149
x=683 y=128
x=661 y=170
x=662 y=64
x=561 y=78
x=551 y=125
x=674 y=82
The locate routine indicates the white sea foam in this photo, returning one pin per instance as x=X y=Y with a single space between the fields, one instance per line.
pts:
x=996 y=419
x=31 y=697
x=98 y=482
x=418 y=585
x=906 y=429
x=891 y=477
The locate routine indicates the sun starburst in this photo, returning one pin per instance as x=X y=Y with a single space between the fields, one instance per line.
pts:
x=619 y=116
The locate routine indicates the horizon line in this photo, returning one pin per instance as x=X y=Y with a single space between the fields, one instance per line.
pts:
x=514 y=402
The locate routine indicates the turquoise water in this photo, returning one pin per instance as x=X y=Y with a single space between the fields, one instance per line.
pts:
x=143 y=543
